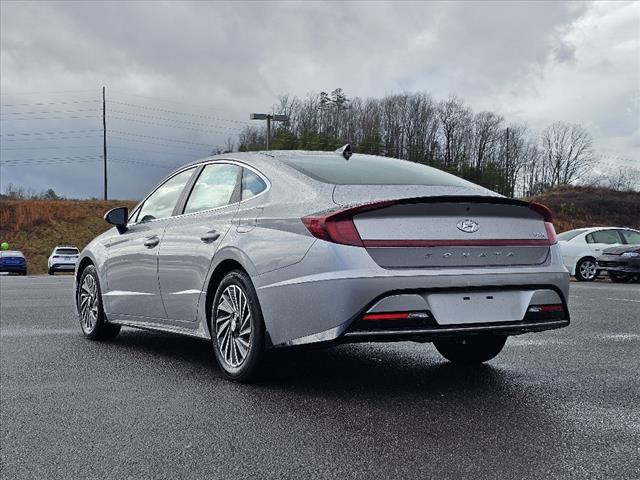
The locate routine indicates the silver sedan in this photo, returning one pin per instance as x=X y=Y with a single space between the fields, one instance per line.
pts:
x=258 y=251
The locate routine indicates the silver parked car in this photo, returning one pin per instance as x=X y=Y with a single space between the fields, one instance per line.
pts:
x=258 y=251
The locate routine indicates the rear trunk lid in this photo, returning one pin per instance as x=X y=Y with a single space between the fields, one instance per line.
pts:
x=452 y=231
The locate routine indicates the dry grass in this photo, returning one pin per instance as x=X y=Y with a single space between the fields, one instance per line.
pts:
x=578 y=207
x=36 y=226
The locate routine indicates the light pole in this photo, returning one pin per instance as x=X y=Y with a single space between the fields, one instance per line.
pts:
x=268 y=118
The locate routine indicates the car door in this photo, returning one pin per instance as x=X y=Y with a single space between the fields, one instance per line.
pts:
x=192 y=238
x=132 y=256
x=601 y=239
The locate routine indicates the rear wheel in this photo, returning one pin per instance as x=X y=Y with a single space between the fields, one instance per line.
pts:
x=586 y=270
x=470 y=350
x=51 y=271
x=237 y=327
x=93 y=320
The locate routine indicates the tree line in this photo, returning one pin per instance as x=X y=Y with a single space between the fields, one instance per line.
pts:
x=479 y=146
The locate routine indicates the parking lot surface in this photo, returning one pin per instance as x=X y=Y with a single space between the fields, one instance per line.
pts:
x=558 y=404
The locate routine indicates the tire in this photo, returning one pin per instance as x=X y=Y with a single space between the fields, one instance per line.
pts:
x=620 y=277
x=586 y=270
x=471 y=350
x=51 y=271
x=93 y=320
x=236 y=329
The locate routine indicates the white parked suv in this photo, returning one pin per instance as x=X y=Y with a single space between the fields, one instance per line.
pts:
x=582 y=246
x=63 y=258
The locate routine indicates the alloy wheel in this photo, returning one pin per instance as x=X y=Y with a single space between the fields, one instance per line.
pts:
x=89 y=303
x=588 y=269
x=233 y=325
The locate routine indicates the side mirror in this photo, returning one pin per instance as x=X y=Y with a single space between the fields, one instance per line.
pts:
x=118 y=217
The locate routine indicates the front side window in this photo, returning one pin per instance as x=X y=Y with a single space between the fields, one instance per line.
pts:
x=252 y=184
x=608 y=237
x=162 y=202
x=216 y=187
x=632 y=237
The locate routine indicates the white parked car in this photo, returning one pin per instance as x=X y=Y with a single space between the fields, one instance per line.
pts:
x=63 y=258
x=580 y=248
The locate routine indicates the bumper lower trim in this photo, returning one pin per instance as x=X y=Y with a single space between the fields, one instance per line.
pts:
x=507 y=328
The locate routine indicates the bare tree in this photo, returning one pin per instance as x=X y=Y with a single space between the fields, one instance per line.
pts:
x=568 y=153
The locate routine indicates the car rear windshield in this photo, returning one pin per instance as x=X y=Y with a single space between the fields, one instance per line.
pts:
x=66 y=251
x=11 y=253
x=566 y=236
x=371 y=170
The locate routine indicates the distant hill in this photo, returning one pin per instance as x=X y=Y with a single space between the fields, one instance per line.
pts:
x=36 y=226
x=577 y=207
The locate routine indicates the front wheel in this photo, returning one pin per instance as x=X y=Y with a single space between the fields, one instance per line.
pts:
x=586 y=270
x=93 y=320
x=237 y=327
x=470 y=350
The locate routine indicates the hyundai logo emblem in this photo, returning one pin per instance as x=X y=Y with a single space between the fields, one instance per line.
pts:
x=468 y=226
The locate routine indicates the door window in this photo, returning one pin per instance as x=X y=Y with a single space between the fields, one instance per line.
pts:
x=217 y=186
x=632 y=238
x=252 y=184
x=162 y=202
x=608 y=237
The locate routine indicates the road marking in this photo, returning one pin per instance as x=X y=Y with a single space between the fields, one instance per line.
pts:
x=622 y=299
x=573 y=297
x=31 y=332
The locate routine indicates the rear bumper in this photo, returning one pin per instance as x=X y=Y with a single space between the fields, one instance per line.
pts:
x=320 y=298
x=63 y=266
x=13 y=268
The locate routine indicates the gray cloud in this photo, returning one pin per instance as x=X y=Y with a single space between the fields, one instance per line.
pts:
x=536 y=62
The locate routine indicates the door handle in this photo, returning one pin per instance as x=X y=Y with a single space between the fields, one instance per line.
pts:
x=210 y=236
x=151 y=242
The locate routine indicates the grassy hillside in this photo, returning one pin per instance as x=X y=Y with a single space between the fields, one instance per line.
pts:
x=577 y=207
x=36 y=226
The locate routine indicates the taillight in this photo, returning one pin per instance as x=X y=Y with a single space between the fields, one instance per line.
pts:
x=547 y=215
x=333 y=229
x=337 y=226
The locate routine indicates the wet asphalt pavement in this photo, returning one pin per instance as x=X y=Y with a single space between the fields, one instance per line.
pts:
x=558 y=404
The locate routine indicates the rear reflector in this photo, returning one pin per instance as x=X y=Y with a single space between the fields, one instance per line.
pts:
x=386 y=316
x=546 y=308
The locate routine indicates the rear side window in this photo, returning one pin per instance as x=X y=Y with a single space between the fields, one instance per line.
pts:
x=570 y=235
x=608 y=237
x=252 y=184
x=216 y=187
x=632 y=238
x=162 y=202
x=66 y=251
x=371 y=170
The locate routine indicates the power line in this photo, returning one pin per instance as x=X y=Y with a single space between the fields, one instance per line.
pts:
x=173 y=126
x=156 y=109
x=61 y=132
x=47 y=118
x=38 y=139
x=51 y=111
x=120 y=132
x=175 y=121
x=40 y=104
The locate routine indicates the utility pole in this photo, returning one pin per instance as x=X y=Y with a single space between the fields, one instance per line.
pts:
x=506 y=166
x=104 y=140
x=268 y=118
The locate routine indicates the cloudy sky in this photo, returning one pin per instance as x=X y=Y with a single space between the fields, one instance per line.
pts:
x=183 y=77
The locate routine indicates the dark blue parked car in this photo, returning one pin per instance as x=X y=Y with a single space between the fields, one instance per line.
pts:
x=13 y=261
